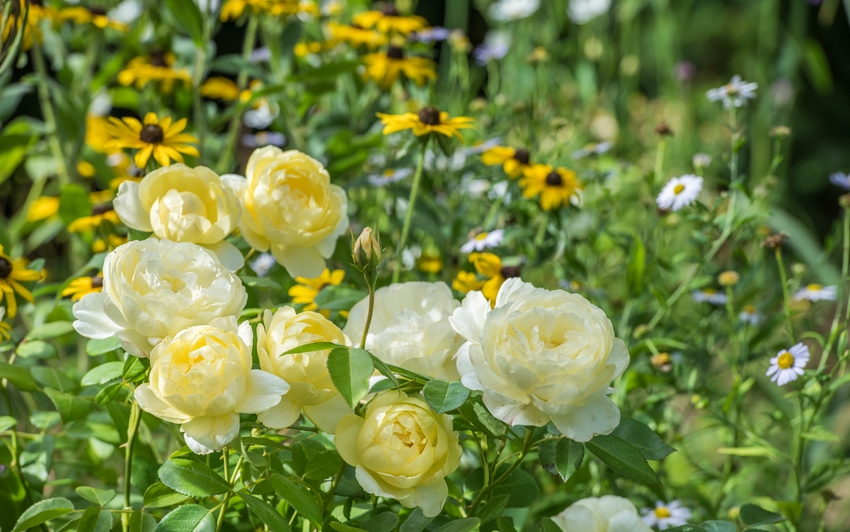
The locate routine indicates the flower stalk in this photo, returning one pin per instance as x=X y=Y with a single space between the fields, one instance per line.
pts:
x=414 y=190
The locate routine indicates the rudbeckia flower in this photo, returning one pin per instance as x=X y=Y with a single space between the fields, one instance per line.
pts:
x=384 y=68
x=556 y=186
x=12 y=272
x=157 y=137
x=306 y=290
x=427 y=120
x=513 y=161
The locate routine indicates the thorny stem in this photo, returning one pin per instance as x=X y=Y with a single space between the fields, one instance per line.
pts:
x=417 y=177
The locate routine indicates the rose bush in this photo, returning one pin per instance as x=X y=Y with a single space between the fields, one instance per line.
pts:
x=156 y=288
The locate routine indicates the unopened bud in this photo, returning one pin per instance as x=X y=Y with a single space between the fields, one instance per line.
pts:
x=367 y=253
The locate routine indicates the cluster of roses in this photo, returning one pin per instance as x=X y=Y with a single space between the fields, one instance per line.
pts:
x=537 y=355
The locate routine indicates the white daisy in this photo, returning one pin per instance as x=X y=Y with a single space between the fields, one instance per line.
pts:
x=788 y=363
x=483 y=241
x=840 y=180
x=592 y=149
x=496 y=46
x=665 y=515
x=735 y=93
x=261 y=117
x=262 y=264
x=499 y=191
x=709 y=295
x=750 y=315
x=507 y=10
x=263 y=138
x=817 y=292
x=583 y=11
x=679 y=192
x=701 y=160
x=390 y=175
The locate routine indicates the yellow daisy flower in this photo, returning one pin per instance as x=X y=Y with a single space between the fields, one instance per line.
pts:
x=43 y=208
x=466 y=282
x=514 y=162
x=97 y=133
x=307 y=289
x=234 y=9
x=158 y=137
x=37 y=13
x=355 y=35
x=99 y=214
x=427 y=120
x=92 y=15
x=158 y=66
x=78 y=288
x=556 y=186
x=430 y=263
x=491 y=267
x=11 y=273
x=5 y=328
x=385 y=68
x=112 y=241
x=388 y=20
x=86 y=169
x=219 y=88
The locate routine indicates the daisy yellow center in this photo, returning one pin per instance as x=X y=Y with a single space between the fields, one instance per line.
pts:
x=389 y=173
x=731 y=89
x=5 y=268
x=814 y=287
x=786 y=360
x=151 y=134
x=662 y=512
x=750 y=309
x=482 y=236
x=679 y=189
x=709 y=291
x=554 y=179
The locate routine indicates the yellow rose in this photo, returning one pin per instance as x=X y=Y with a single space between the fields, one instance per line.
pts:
x=202 y=379
x=402 y=450
x=290 y=207
x=183 y=204
x=311 y=388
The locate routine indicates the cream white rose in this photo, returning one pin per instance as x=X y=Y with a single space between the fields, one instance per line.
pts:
x=402 y=450
x=539 y=356
x=156 y=288
x=410 y=327
x=290 y=207
x=202 y=378
x=183 y=204
x=307 y=373
x=603 y=514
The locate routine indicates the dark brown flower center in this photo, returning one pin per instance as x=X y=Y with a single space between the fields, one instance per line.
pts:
x=510 y=271
x=97 y=11
x=430 y=116
x=97 y=281
x=158 y=58
x=151 y=134
x=100 y=209
x=522 y=156
x=5 y=268
x=389 y=10
x=554 y=179
x=357 y=26
x=394 y=52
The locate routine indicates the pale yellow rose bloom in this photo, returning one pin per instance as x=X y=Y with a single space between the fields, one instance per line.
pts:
x=290 y=207
x=539 y=356
x=202 y=379
x=183 y=204
x=402 y=450
x=311 y=388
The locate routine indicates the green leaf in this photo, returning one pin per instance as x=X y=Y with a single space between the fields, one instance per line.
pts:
x=42 y=512
x=620 y=456
x=719 y=526
x=313 y=460
x=96 y=496
x=298 y=497
x=339 y=297
x=460 y=525
x=415 y=522
x=505 y=525
x=339 y=527
x=47 y=376
x=642 y=438
x=189 y=17
x=561 y=457
x=19 y=376
x=350 y=370
x=7 y=422
x=687 y=528
x=385 y=370
x=383 y=522
x=142 y=522
x=101 y=347
x=521 y=487
x=493 y=509
x=70 y=407
x=191 y=477
x=108 y=393
x=820 y=433
x=753 y=515
x=15 y=142
x=73 y=203
x=159 y=495
x=260 y=282
x=51 y=330
x=637 y=266
x=547 y=525
x=36 y=349
x=134 y=367
x=103 y=373
x=477 y=413
x=266 y=513
x=187 y=518
x=314 y=346
x=89 y=520
x=444 y=396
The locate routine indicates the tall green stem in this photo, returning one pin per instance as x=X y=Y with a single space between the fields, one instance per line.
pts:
x=241 y=83
x=231 y=479
x=197 y=80
x=526 y=446
x=132 y=431
x=411 y=204
x=371 y=283
x=49 y=115
x=785 y=298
